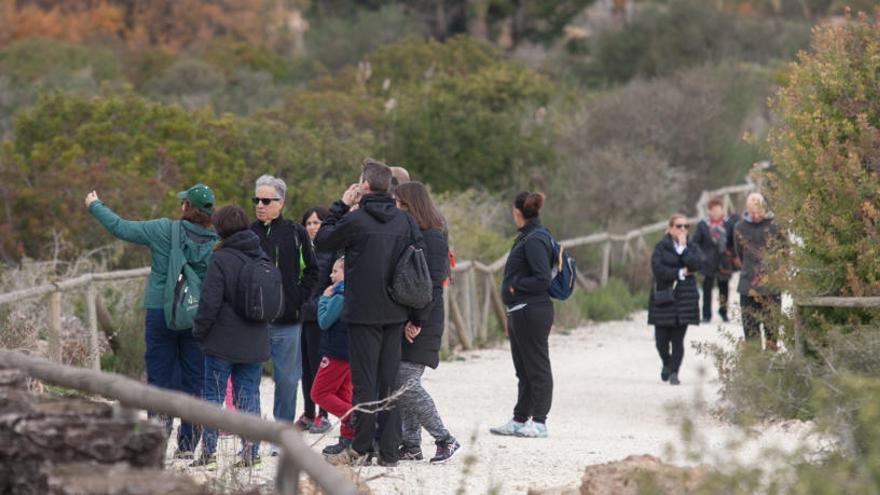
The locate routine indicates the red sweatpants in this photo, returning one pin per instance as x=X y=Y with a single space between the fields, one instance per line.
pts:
x=332 y=391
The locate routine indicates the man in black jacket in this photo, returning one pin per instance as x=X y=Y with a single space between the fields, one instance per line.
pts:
x=373 y=237
x=287 y=244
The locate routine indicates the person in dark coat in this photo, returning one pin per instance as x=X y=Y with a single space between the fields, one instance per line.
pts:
x=232 y=345
x=373 y=237
x=753 y=235
x=527 y=276
x=288 y=246
x=714 y=235
x=312 y=420
x=674 y=263
x=423 y=333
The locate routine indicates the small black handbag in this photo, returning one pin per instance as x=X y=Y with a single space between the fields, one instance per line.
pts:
x=665 y=296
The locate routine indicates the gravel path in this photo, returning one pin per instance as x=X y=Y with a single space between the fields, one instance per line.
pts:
x=608 y=403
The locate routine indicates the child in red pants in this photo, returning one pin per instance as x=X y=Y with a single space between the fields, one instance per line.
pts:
x=331 y=389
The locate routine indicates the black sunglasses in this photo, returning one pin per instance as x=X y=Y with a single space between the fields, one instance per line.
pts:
x=265 y=201
x=682 y=225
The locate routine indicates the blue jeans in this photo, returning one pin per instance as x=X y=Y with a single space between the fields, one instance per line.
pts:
x=168 y=351
x=245 y=393
x=285 y=341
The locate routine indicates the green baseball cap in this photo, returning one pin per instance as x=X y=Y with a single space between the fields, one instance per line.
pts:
x=200 y=196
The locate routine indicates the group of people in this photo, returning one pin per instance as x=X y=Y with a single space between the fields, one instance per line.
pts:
x=359 y=354
x=720 y=246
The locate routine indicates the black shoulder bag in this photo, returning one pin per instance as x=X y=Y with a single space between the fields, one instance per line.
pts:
x=411 y=284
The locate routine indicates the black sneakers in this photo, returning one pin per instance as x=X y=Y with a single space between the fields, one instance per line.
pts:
x=410 y=453
x=338 y=447
x=664 y=374
x=673 y=379
x=445 y=451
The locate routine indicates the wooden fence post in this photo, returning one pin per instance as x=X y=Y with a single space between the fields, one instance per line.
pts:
x=469 y=295
x=606 y=262
x=499 y=309
x=55 y=326
x=489 y=286
x=92 y=305
x=798 y=330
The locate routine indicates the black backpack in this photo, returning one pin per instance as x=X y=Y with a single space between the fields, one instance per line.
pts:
x=259 y=295
x=411 y=284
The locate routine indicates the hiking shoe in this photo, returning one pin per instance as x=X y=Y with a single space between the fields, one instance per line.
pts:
x=533 y=429
x=673 y=379
x=320 y=425
x=274 y=451
x=511 y=428
x=338 y=447
x=445 y=451
x=207 y=461
x=348 y=457
x=664 y=374
x=410 y=453
x=248 y=461
x=186 y=455
x=724 y=317
x=304 y=423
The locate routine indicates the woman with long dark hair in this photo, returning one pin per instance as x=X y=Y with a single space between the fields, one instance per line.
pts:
x=674 y=300
x=315 y=421
x=423 y=333
x=527 y=277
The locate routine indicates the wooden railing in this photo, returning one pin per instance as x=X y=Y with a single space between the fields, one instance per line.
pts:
x=824 y=302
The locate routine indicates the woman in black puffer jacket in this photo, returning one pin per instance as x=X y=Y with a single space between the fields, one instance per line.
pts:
x=423 y=333
x=674 y=262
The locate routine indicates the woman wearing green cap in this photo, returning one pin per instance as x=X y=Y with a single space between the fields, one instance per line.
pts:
x=168 y=349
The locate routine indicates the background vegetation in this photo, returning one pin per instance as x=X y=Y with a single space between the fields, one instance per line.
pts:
x=621 y=111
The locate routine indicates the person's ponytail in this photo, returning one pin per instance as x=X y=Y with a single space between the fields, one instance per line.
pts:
x=529 y=203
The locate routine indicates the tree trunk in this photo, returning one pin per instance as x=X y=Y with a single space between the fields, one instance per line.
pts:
x=476 y=18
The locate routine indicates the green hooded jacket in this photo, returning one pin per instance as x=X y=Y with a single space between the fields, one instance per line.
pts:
x=156 y=234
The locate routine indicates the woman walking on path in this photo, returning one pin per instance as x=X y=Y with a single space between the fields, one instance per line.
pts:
x=166 y=348
x=422 y=334
x=674 y=301
x=234 y=346
x=527 y=276
x=714 y=236
x=312 y=420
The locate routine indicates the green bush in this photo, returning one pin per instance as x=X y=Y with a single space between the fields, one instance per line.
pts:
x=608 y=303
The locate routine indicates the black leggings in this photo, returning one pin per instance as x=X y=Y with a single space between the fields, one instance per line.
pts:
x=311 y=359
x=666 y=337
x=529 y=331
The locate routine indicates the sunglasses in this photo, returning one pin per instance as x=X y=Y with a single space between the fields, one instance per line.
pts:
x=265 y=201
x=682 y=226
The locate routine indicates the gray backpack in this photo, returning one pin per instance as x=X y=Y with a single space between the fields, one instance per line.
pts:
x=411 y=284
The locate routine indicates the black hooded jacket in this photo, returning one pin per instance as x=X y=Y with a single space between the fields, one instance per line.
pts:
x=373 y=238
x=528 y=271
x=219 y=329
x=288 y=246
x=425 y=348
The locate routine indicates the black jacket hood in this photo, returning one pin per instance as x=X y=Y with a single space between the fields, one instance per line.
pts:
x=380 y=206
x=245 y=241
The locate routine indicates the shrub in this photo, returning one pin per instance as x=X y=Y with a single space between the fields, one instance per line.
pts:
x=826 y=174
x=608 y=303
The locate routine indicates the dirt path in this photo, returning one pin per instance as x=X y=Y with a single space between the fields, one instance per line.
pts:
x=608 y=403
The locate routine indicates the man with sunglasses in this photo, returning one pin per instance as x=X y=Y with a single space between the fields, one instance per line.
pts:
x=288 y=246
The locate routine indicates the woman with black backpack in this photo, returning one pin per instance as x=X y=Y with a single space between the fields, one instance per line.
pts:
x=527 y=277
x=233 y=345
x=674 y=300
